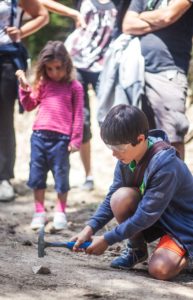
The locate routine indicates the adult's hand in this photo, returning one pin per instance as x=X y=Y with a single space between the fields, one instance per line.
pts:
x=14 y=33
x=79 y=20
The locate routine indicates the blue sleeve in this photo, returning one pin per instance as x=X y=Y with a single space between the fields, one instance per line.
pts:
x=104 y=213
x=137 y=6
x=155 y=200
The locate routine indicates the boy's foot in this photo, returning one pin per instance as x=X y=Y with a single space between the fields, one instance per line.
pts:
x=6 y=191
x=60 y=221
x=129 y=258
x=88 y=185
x=38 y=220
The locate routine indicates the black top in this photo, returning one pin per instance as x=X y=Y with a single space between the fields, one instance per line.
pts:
x=167 y=48
x=122 y=7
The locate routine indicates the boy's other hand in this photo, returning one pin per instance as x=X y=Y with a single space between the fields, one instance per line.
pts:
x=98 y=246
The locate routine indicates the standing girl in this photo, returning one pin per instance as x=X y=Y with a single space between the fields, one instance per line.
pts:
x=57 y=129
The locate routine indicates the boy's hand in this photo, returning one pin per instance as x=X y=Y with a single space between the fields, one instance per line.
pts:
x=22 y=79
x=98 y=246
x=72 y=148
x=83 y=236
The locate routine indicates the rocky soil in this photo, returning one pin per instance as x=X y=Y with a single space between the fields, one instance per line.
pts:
x=70 y=275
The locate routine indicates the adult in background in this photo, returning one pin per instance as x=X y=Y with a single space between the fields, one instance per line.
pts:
x=87 y=47
x=165 y=31
x=11 y=59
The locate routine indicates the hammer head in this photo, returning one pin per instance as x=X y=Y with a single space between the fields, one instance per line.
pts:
x=41 y=243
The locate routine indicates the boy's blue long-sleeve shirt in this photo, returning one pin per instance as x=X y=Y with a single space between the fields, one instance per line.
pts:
x=168 y=197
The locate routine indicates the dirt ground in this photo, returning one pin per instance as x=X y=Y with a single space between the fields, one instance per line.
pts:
x=72 y=276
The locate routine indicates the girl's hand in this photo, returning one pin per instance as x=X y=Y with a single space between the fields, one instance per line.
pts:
x=14 y=33
x=72 y=148
x=98 y=246
x=22 y=79
x=83 y=236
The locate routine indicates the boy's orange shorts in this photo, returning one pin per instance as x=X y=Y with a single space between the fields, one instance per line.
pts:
x=167 y=242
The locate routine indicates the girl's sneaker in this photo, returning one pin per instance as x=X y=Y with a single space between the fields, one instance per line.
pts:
x=60 y=221
x=38 y=220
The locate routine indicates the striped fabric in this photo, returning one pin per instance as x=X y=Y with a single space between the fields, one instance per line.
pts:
x=60 y=108
x=88 y=46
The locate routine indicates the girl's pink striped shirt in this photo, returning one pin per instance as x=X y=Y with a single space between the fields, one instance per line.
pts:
x=60 y=108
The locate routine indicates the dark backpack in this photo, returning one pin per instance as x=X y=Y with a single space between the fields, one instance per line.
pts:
x=13 y=11
x=138 y=174
x=22 y=51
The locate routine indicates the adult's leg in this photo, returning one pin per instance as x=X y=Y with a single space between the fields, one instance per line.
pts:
x=166 y=92
x=8 y=94
x=87 y=78
x=85 y=154
x=85 y=147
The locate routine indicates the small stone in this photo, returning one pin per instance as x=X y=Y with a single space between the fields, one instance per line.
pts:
x=114 y=248
x=27 y=243
x=71 y=225
x=50 y=228
x=41 y=270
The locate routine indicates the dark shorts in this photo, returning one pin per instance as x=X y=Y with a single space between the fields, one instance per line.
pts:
x=86 y=78
x=49 y=152
x=153 y=233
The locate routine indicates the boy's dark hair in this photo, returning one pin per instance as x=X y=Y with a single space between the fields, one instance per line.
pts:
x=51 y=51
x=123 y=124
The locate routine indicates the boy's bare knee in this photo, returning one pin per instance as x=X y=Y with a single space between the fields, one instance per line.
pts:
x=124 y=194
x=165 y=268
x=159 y=271
x=124 y=203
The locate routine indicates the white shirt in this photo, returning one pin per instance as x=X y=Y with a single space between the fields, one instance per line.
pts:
x=5 y=21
